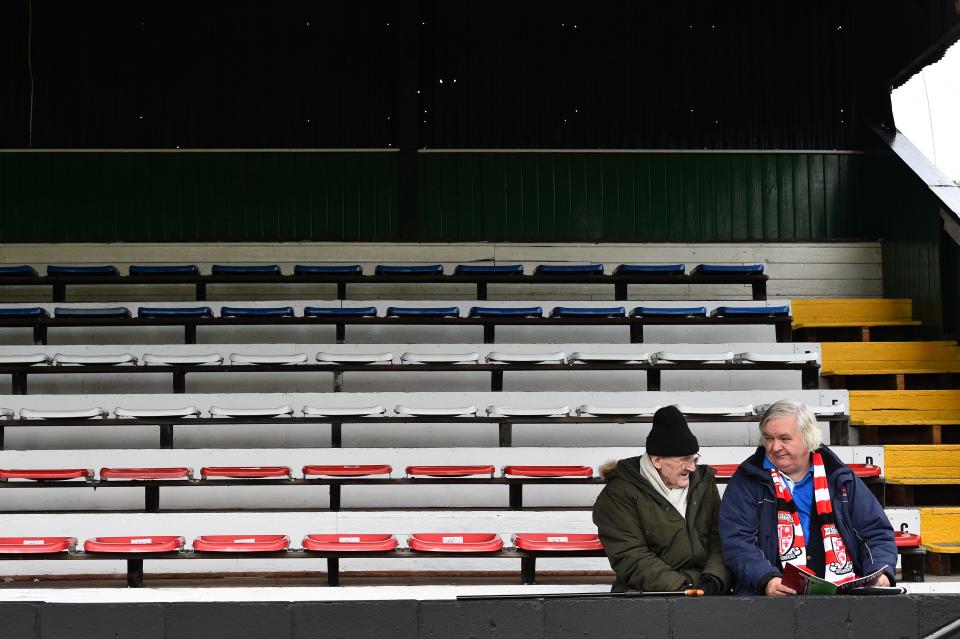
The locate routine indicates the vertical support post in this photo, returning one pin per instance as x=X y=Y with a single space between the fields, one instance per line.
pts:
x=810 y=377
x=759 y=290
x=620 y=291
x=506 y=434
x=18 y=382
x=201 y=291
x=528 y=570
x=636 y=333
x=151 y=499
x=336 y=434
x=489 y=332
x=496 y=381
x=653 y=379
x=2 y=429
x=516 y=496
x=335 y=497
x=40 y=332
x=784 y=329
x=333 y=571
x=840 y=433
x=341 y=291
x=912 y=565
x=936 y=434
x=481 y=290
x=189 y=333
x=166 y=436
x=179 y=382
x=341 y=329
x=338 y=381
x=134 y=573
x=60 y=292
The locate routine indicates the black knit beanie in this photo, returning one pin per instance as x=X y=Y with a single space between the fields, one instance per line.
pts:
x=670 y=435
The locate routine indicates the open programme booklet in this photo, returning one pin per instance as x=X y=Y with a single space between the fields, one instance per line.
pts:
x=806 y=583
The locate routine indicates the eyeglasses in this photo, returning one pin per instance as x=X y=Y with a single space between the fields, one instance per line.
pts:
x=686 y=461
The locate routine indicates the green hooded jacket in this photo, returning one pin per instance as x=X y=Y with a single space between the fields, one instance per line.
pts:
x=649 y=545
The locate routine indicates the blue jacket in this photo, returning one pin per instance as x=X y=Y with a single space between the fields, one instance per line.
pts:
x=748 y=523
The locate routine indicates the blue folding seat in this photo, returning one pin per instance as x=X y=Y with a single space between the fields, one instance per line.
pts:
x=106 y=270
x=340 y=269
x=18 y=271
x=751 y=311
x=669 y=311
x=442 y=311
x=174 y=311
x=573 y=311
x=569 y=269
x=260 y=269
x=336 y=311
x=512 y=311
x=727 y=269
x=30 y=311
x=173 y=269
x=112 y=311
x=252 y=311
x=491 y=269
x=425 y=269
x=642 y=269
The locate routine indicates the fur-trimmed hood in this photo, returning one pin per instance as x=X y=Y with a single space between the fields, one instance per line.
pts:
x=607 y=469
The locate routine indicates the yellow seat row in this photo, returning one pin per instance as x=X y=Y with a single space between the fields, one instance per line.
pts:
x=918 y=465
x=852 y=313
x=889 y=358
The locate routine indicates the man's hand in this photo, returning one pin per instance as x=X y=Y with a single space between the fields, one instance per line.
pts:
x=775 y=588
x=883 y=581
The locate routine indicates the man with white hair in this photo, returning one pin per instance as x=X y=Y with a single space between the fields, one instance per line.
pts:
x=795 y=502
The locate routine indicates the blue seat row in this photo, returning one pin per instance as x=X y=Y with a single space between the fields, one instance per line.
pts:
x=387 y=270
x=395 y=311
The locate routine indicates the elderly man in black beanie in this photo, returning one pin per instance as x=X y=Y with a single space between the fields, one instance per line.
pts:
x=657 y=516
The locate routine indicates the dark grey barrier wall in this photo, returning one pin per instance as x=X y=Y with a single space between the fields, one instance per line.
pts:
x=605 y=618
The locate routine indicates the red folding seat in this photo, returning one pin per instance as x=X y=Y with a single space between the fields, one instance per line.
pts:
x=865 y=470
x=725 y=471
x=347 y=471
x=146 y=473
x=556 y=541
x=548 y=471
x=241 y=543
x=350 y=543
x=36 y=545
x=48 y=474
x=455 y=542
x=449 y=471
x=906 y=539
x=244 y=472
x=134 y=544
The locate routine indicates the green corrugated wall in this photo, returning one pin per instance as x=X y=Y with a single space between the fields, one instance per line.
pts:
x=908 y=217
x=197 y=196
x=553 y=196
x=603 y=197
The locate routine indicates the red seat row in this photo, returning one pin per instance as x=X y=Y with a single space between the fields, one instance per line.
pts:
x=726 y=471
x=262 y=472
x=424 y=542
x=907 y=539
x=259 y=472
x=359 y=543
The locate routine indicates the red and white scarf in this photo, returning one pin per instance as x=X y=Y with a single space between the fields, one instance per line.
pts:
x=791 y=544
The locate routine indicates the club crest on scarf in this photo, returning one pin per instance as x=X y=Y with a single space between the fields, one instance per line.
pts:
x=785 y=536
x=834 y=548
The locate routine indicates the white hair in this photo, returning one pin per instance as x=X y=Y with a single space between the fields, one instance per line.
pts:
x=806 y=421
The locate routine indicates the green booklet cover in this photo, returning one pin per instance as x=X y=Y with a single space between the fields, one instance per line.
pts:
x=806 y=583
